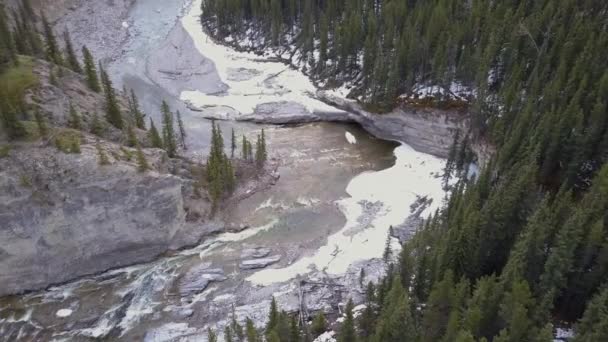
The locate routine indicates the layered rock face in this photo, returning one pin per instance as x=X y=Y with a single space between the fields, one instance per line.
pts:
x=426 y=130
x=63 y=216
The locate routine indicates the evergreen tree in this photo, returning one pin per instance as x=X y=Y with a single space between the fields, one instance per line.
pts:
x=90 y=70
x=319 y=324
x=131 y=137
x=273 y=316
x=154 y=137
x=142 y=163
x=136 y=114
x=211 y=336
x=347 y=329
x=53 y=53
x=251 y=332
x=593 y=325
x=169 y=141
x=12 y=126
x=232 y=143
x=72 y=60
x=113 y=114
x=182 y=130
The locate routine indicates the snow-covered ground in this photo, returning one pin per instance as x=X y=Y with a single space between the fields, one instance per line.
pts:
x=378 y=199
x=251 y=80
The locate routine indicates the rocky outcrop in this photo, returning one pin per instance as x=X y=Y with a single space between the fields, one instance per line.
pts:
x=64 y=215
x=426 y=130
x=256 y=263
x=198 y=278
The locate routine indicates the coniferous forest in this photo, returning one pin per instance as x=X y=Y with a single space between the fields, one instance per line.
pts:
x=519 y=247
x=524 y=243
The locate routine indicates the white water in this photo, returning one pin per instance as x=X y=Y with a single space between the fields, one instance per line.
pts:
x=396 y=188
x=267 y=81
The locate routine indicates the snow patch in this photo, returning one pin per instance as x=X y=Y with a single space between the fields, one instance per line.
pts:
x=272 y=82
x=350 y=138
x=327 y=336
x=64 y=313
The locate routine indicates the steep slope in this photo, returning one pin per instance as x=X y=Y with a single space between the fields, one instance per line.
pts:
x=64 y=215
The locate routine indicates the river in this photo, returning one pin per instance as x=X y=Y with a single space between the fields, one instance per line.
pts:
x=326 y=218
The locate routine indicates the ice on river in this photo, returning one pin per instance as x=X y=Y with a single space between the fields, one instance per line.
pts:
x=251 y=80
x=363 y=237
x=350 y=138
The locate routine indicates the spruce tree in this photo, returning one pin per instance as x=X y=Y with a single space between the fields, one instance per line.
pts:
x=319 y=324
x=211 y=336
x=136 y=114
x=53 y=53
x=72 y=60
x=130 y=135
x=244 y=148
x=96 y=125
x=273 y=316
x=251 y=332
x=142 y=163
x=12 y=126
x=90 y=70
x=113 y=114
x=182 y=130
x=232 y=144
x=169 y=142
x=154 y=137
x=347 y=329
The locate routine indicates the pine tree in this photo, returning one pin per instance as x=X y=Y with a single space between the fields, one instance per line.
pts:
x=90 y=70
x=113 y=114
x=52 y=49
x=273 y=316
x=169 y=142
x=388 y=252
x=592 y=326
x=74 y=120
x=131 y=137
x=12 y=126
x=182 y=130
x=136 y=114
x=96 y=125
x=7 y=48
x=347 y=329
x=251 y=332
x=142 y=163
x=154 y=137
x=72 y=60
x=319 y=324
x=211 y=336
x=232 y=144
x=244 y=148
x=294 y=330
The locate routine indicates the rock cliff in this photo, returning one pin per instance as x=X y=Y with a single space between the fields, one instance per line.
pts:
x=65 y=215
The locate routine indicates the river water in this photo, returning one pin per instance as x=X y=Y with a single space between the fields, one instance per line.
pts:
x=325 y=219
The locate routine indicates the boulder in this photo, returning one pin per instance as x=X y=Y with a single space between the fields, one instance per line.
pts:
x=198 y=278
